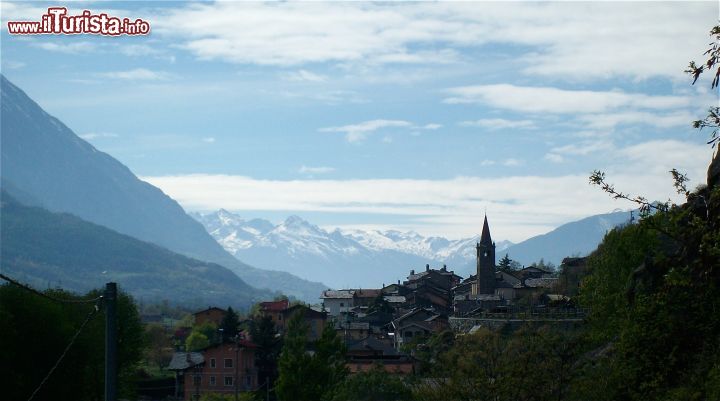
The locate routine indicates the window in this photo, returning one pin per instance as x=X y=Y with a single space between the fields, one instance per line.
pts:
x=212 y=380
x=197 y=379
x=248 y=381
x=228 y=380
x=212 y=362
x=228 y=363
x=342 y=304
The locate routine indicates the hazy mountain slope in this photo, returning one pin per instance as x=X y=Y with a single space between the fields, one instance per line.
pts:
x=576 y=238
x=48 y=164
x=43 y=248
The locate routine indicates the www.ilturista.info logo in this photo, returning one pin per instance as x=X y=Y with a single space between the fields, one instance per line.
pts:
x=56 y=21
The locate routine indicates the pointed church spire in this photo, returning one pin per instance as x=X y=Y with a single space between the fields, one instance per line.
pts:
x=485 y=236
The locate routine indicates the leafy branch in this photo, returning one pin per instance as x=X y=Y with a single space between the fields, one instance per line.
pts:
x=712 y=120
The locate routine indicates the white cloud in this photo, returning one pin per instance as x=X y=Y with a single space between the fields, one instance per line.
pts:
x=358 y=132
x=315 y=170
x=555 y=158
x=584 y=148
x=209 y=139
x=519 y=206
x=95 y=135
x=567 y=39
x=137 y=74
x=554 y=100
x=512 y=162
x=659 y=120
x=303 y=76
x=13 y=65
x=487 y=162
x=68 y=48
x=498 y=123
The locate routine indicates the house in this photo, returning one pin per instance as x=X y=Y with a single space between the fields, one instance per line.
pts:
x=212 y=315
x=224 y=368
x=274 y=309
x=314 y=319
x=417 y=322
x=366 y=353
x=338 y=302
x=352 y=330
x=440 y=278
x=365 y=297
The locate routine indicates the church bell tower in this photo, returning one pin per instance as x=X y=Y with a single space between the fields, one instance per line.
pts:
x=485 y=262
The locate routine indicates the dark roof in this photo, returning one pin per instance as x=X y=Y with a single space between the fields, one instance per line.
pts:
x=185 y=360
x=485 y=236
x=368 y=293
x=274 y=306
x=546 y=282
x=209 y=309
x=371 y=343
x=309 y=312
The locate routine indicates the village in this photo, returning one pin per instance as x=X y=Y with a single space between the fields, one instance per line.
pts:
x=383 y=327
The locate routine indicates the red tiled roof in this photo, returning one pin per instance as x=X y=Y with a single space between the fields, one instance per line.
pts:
x=274 y=306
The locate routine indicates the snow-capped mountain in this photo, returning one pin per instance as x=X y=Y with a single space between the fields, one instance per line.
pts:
x=349 y=258
x=360 y=258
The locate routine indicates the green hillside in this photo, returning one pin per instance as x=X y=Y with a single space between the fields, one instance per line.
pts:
x=52 y=249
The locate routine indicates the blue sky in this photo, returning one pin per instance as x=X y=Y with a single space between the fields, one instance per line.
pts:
x=413 y=116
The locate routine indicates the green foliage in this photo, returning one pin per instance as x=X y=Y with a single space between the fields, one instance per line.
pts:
x=374 y=385
x=230 y=324
x=531 y=363
x=35 y=332
x=294 y=363
x=159 y=349
x=196 y=341
x=309 y=377
x=244 y=396
x=429 y=350
x=507 y=265
x=263 y=333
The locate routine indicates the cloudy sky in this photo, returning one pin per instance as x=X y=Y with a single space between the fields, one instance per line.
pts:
x=413 y=116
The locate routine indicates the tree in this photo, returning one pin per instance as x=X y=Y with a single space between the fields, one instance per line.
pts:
x=264 y=335
x=230 y=324
x=159 y=345
x=306 y=377
x=294 y=364
x=196 y=341
x=508 y=265
x=36 y=330
x=374 y=385
x=329 y=361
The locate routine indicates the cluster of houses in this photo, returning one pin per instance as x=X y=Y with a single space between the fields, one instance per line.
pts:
x=377 y=325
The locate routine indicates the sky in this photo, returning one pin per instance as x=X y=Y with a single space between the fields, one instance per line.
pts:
x=409 y=116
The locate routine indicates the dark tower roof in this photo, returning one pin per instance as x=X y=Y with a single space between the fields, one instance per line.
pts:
x=485 y=236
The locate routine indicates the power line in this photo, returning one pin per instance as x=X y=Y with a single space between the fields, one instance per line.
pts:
x=72 y=341
x=42 y=294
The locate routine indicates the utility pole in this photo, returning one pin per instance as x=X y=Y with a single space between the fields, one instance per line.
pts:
x=237 y=362
x=110 y=300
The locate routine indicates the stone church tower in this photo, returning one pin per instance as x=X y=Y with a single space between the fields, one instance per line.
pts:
x=485 y=262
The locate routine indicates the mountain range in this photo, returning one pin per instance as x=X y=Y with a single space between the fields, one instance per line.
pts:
x=367 y=258
x=45 y=164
